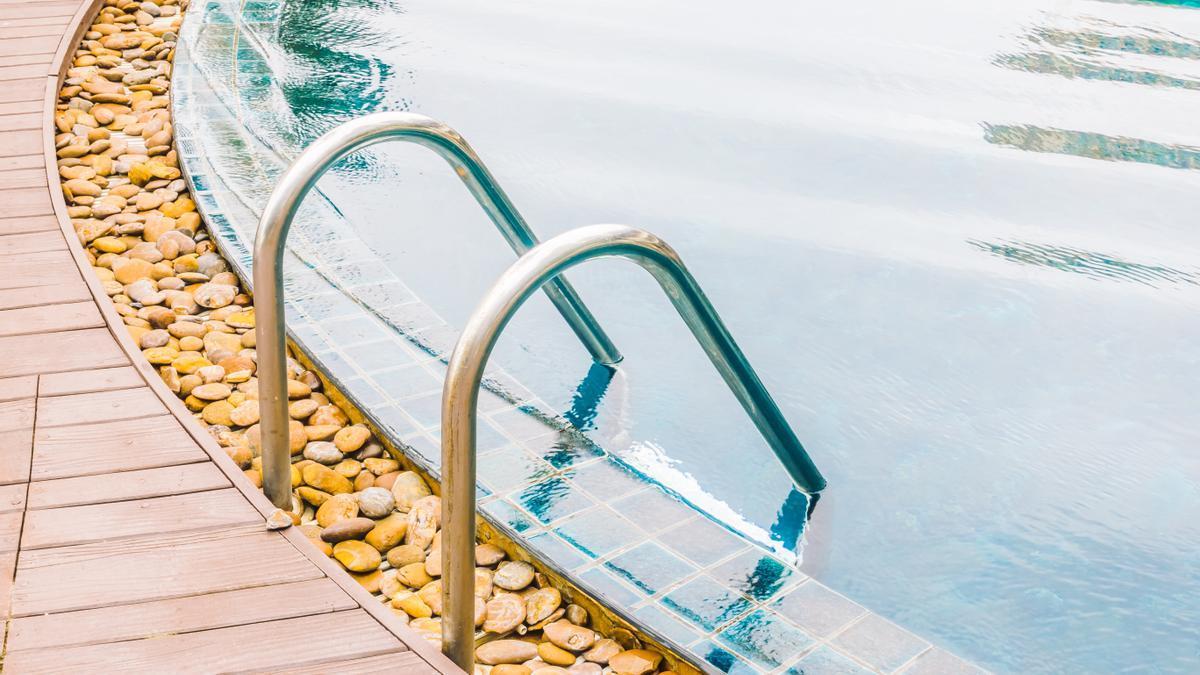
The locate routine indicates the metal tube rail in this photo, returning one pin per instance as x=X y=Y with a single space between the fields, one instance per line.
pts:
x=460 y=394
x=276 y=220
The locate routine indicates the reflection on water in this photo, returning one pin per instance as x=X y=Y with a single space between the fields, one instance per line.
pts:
x=1088 y=263
x=1092 y=145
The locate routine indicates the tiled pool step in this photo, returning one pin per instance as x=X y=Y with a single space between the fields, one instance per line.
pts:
x=615 y=531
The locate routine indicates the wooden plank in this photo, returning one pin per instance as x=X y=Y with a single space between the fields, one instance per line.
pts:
x=50 y=318
x=58 y=352
x=123 y=485
x=127 y=445
x=262 y=646
x=12 y=497
x=102 y=406
x=70 y=525
x=16 y=414
x=154 y=568
x=29 y=88
x=15 y=455
x=396 y=663
x=10 y=530
x=21 y=178
x=17 y=107
x=31 y=242
x=35 y=20
x=21 y=121
x=178 y=615
x=9 y=31
x=12 y=388
x=20 y=161
x=64 y=9
x=25 y=224
x=37 y=269
x=26 y=201
x=54 y=294
x=8 y=567
x=14 y=143
x=84 y=381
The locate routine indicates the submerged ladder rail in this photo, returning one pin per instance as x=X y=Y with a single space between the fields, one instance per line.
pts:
x=271 y=239
x=460 y=396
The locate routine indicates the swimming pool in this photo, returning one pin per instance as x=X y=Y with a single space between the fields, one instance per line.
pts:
x=956 y=242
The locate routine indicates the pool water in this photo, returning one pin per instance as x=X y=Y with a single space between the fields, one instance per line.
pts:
x=957 y=240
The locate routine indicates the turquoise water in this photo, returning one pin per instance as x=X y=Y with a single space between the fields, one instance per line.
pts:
x=957 y=241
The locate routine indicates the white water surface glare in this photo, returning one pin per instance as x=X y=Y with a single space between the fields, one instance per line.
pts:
x=958 y=241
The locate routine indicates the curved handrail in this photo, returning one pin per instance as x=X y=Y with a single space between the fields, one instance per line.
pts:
x=276 y=220
x=460 y=395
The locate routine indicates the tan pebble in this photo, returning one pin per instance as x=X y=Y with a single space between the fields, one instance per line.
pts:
x=431 y=594
x=338 y=507
x=217 y=412
x=328 y=415
x=504 y=613
x=510 y=669
x=245 y=414
x=404 y=554
x=413 y=575
x=569 y=636
x=408 y=488
x=377 y=465
x=577 y=615
x=187 y=383
x=160 y=356
x=312 y=495
x=302 y=408
x=368 y=580
x=499 y=652
x=487 y=555
x=514 y=575
x=349 y=439
x=214 y=391
x=541 y=604
x=412 y=604
x=298 y=389
x=387 y=480
x=555 y=655
x=364 y=480
x=357 y=556
x=635 y=662
x=602 y=651
x=328 y=480
x=323 y=432
x=347 y=528
x=191 y=344
x=348 y=468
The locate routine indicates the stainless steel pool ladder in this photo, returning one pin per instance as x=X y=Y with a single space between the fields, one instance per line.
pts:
x=460 y=394
x=539 y=267
x=276 y=221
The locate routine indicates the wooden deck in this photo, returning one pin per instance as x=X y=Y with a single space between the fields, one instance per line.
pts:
x=128 y=540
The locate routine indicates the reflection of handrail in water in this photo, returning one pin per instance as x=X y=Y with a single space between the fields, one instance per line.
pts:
x=460 y=395
x=276 y=220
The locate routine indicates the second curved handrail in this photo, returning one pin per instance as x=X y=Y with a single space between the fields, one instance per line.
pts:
x=277 y=218
x=460 y=395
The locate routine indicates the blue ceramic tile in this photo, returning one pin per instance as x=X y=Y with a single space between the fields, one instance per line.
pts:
x=363 y=393
x=940 y=662
x=334 y=362
x=598 y=531
x=667 y=625
x=324 y=307
x=614 y=592
x=765 y=638
x=521 y=424
x=383 y=295
x=701 y=541
x=426 y=409
x=394 y=419
x=557 y=550
x=552 y=499
x=706 y=603
x=510 y=515
x=826 y=661
x=408 y=381
x=510 y=467
x=652 y=509
x=722 y=659
x=354 y=330
x=650 y=567
x=753 y=573
x=380 y=355
x=817 y=609
x=606 y=479
x=424 y=447
x=880 y=643
x=563 y=449
x=487 y=437
x=409 y=317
